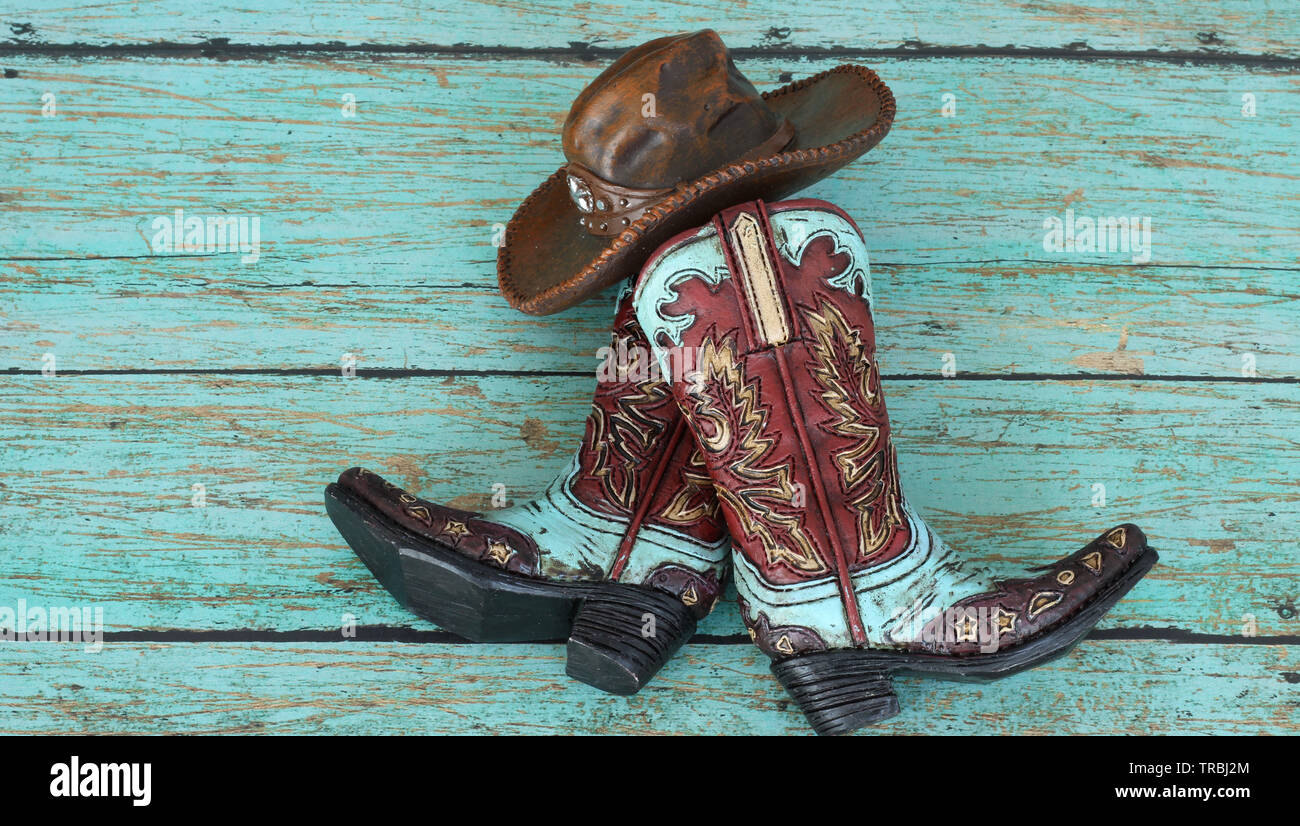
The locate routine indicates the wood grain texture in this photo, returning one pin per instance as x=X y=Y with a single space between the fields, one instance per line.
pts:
x=377 y=240
x=1197 y=26
x=1055 y=318
x=443 y=148
x=377 y=232
x=371 y=688
x=95 y=506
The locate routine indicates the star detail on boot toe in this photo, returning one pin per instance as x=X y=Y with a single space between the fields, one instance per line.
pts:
x=1006 y=621
x=455 y=529
x=967 y=628
x=499 y=551
x=1042 y=601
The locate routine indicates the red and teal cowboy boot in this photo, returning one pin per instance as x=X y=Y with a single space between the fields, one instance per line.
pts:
x=622 y=554
x=763 y=320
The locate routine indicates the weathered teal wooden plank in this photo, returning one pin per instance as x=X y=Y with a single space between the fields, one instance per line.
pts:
x=443 y=148
x=1102 y=687
x=1259 y=27
x=376 y=241
x=992 y=318
x=96 y=503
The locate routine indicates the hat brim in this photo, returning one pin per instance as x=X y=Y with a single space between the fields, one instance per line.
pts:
x=549 y=262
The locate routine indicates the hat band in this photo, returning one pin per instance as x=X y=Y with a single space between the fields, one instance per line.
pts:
x=607 y=209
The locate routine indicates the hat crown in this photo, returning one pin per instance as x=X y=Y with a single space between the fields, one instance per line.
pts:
x=667 y=111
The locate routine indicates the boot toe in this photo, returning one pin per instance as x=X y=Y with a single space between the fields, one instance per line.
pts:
x=464 y=532
x=1017 y=611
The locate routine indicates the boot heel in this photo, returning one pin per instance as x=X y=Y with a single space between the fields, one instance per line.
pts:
x=839 y=691
x=623 y=634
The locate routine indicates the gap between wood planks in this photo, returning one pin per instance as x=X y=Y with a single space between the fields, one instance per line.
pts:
x=391 y=633
x=222 y=49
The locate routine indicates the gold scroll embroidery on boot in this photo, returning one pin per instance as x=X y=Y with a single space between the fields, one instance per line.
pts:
x=868 y=469
x=769 y=498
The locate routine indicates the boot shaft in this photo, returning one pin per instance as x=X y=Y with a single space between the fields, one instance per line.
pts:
x=764 y=318
x=637 y=461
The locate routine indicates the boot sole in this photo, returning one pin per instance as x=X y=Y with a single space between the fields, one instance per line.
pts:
x=841 y=691
x=618 y=636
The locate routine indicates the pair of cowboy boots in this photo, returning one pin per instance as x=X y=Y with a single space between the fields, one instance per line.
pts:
x=761 y=420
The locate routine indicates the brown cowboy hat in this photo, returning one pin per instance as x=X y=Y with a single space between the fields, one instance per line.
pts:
x=668 y=135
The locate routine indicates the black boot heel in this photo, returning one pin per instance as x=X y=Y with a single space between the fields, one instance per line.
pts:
x=623 y=634
x=839 y=691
